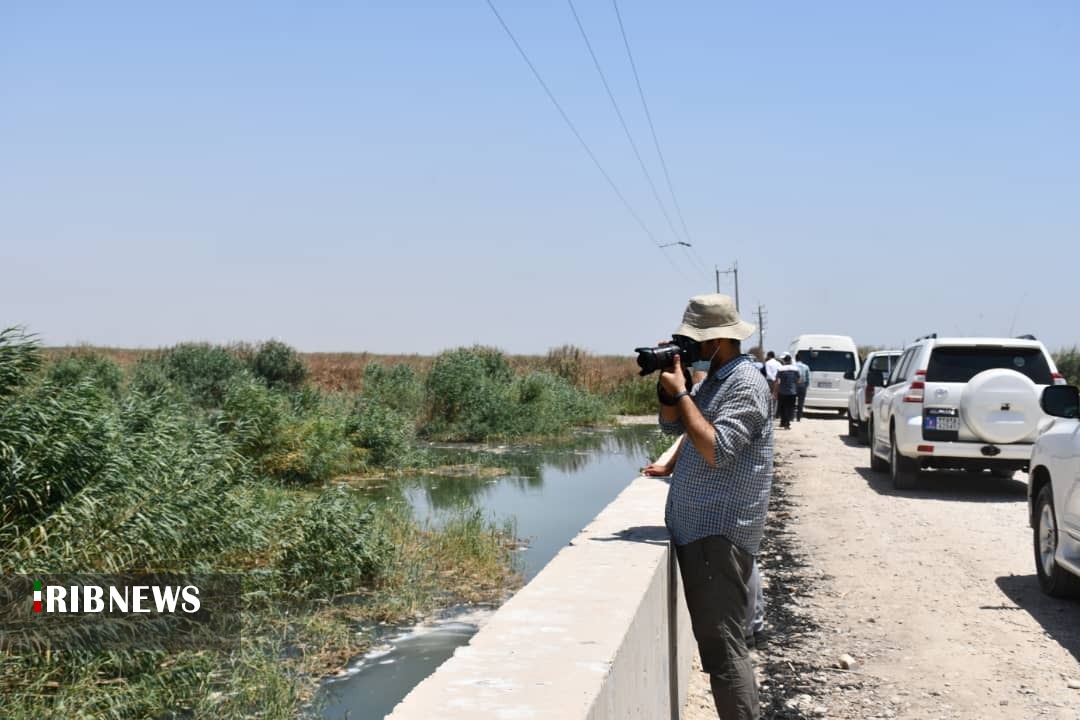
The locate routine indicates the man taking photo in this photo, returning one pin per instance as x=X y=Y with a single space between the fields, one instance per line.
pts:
x=719 y=492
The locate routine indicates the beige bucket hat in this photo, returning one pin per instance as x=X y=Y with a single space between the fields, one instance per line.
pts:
x=709 y=317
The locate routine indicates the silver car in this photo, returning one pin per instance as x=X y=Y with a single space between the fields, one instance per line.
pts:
x=871 y=376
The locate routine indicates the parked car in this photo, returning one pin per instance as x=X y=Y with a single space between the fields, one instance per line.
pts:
x=1054 y=494
x=833 y=361
x=872 y=375
x=966 y=403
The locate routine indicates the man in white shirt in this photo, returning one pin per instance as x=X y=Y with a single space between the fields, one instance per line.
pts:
x=772 y=366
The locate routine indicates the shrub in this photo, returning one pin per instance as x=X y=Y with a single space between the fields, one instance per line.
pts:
x=302 y=437
x=467 y=394
x=279 y=365
x=395 y=387
x=545 y=404
x=567 y=362
x=202 y=370
x=336 y=549
x=95 y=485
x=384 y=432
x=1068 y=364
x=149 y=377
x=20 y=358
x=325 y=450
x=90 y=366
x=256 y=418
x=54 y=441
x=635 y=397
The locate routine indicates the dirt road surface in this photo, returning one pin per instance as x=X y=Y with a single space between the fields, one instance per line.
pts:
x=931 y=592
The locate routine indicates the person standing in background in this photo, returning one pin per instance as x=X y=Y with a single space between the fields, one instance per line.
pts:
x=772 y=366
x=800 y=388
x=787 y=382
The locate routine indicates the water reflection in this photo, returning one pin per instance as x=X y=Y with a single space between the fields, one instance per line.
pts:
x=462 y=476
x=549 y=491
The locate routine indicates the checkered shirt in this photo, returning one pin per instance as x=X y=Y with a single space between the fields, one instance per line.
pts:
x=730 y=499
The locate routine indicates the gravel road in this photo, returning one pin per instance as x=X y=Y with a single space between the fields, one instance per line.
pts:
x=931 y=593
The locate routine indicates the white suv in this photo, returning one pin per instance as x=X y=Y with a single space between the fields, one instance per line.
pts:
x=1054 y=495
x=871 y=376
x=966 y=403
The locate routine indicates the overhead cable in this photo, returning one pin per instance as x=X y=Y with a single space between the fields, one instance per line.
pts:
x=581 y=140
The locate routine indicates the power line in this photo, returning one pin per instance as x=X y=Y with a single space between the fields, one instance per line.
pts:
x=630 y=138
x=648 y=116
x=622 y=120
x=580 y=139
x=697 y=257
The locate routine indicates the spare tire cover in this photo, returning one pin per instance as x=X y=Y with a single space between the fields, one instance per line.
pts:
x=1001 y=406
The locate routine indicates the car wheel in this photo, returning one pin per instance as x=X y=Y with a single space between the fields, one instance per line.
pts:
x=842 y=412
x=864 y=434
x=852 y=428
x=1053 y=579
x=876 y=463
x=903 y=470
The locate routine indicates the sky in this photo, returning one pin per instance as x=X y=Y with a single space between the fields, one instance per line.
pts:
x=391 y=177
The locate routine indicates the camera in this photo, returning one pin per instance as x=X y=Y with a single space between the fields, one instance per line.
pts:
x=650 y=359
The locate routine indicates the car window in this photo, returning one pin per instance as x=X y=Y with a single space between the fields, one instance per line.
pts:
x=960 y=364
x=882 y=362
x=900 y=368
x=836 y=361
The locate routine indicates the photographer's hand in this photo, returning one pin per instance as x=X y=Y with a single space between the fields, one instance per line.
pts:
x=671 y=383
x=674 y=381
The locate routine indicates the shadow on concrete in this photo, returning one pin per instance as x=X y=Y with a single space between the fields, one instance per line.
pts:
x=951 y=485
x=1060 y=619
x=852 y=442
x=649 y=534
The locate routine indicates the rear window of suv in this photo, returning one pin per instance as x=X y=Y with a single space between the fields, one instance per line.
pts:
x=828 y=360
x=960 y=364
x=883 y=362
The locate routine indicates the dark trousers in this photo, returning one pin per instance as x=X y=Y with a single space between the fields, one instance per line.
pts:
x=801 y=394
x=787 y=409
x=715 y=574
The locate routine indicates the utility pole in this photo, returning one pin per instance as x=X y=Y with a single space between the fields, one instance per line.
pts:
x=761 y=328
x=733 y=271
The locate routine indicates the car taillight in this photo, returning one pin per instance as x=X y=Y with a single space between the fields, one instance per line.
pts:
x=869 y=395
x=1059 y=379
x=917 y=390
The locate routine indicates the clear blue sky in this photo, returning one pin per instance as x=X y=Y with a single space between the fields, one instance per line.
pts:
x=390 y=177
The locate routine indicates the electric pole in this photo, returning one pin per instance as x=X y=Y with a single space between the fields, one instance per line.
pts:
x=733 y=271
x=761 y=328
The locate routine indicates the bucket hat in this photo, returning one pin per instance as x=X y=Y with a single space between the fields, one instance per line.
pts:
x=711 y=317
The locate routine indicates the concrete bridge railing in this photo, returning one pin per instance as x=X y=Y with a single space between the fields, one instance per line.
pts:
x=601 y=632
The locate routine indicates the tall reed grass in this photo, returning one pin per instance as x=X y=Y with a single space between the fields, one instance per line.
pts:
x=200 y=459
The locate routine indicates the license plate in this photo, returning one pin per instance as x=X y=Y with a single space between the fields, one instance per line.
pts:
x=824 y=384
x=941 y=422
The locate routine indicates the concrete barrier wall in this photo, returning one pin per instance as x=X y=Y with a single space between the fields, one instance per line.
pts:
x=601 y=632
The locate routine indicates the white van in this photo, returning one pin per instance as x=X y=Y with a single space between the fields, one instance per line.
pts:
x=834 y=363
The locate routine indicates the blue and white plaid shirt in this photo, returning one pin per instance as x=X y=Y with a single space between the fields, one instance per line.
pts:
x=730 y=499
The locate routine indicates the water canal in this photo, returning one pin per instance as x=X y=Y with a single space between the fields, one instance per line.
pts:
x=549 y=492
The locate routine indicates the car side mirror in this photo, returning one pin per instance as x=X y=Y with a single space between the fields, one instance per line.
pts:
x=849 y=375
x=1061 y=401
x=875 y=378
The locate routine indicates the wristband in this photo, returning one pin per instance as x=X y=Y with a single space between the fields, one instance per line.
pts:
x=680 y=396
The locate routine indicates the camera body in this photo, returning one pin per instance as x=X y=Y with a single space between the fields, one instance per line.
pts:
x=651 y=359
